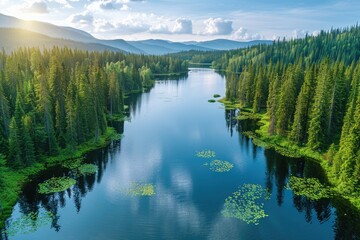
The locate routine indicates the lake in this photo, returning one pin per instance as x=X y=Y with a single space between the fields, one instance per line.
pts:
x=167 y=127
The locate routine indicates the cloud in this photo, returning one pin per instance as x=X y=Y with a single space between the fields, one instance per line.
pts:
x=82 y=19
x=160 y=29
x=218 y=26
x=36 y=7
x=182 y=26
x=131 y=27
x=244 y=35
x=105 y=5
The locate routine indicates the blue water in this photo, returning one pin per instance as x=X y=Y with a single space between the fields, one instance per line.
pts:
x=167 y=126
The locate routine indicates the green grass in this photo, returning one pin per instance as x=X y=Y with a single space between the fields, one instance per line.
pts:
x=13 y=180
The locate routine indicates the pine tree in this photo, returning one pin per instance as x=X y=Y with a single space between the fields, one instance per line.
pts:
x=303 y=106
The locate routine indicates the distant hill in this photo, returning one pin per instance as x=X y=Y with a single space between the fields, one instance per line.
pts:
x=225 y=44
x=75 y=38
x=11 y=39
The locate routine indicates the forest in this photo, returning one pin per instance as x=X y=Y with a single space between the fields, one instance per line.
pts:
x=52 y=101
x=307 y=92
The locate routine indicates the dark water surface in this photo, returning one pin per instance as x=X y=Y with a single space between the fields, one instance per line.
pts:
x=168 y=125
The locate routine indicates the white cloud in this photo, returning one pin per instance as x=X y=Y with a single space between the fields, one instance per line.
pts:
x=218 y=26
x=105 y=5
x=244 y=35
x=131 y=27
x=82 y=19
x=36 y=7
x=182 y=26
x=160 y=28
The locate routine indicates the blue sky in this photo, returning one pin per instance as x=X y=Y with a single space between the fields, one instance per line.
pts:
x=188 y=20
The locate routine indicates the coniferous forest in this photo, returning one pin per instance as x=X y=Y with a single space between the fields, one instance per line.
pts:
x=52 y=101
x=309 y=93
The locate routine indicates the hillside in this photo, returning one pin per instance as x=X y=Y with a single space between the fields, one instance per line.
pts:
x=11 y=39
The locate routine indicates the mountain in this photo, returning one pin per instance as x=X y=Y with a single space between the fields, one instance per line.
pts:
x=157 y=46
x=67 y=33
x=11 y=39
x=50 y=35
x=225 y=44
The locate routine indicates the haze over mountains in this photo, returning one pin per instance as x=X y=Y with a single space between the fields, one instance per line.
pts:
x=15 y=33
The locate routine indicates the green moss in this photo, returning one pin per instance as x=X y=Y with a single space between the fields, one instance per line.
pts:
x=220 y=166
x=138 y=189
x=205 y=154
x=309 y=187
x=56 y=184
x=246 y=204
x=29 y=223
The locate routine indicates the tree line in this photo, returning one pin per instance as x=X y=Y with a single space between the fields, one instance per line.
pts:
x=60 y=98
x=310 y=91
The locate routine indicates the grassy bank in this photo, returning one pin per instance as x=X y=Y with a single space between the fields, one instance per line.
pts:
x=13 y=180
x=285 y=146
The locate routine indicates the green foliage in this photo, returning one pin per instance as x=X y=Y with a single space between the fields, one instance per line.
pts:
x=220 y=166
x=56 y=184
x=205 y=154
x=29 y=223
x=246 y=204
x=138 y=189
x=309 y=187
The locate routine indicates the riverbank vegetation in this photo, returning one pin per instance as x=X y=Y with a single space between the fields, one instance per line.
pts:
x=54 y=105
x=307 y=94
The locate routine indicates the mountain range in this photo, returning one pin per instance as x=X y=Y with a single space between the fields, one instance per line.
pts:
x=15 y=33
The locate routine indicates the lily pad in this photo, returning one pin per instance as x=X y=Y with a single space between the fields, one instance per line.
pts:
x=309 y=187
x=205 y=154
x=29 y=223
x=56 y=184
x=138 y=189
x=211 y=100
x=87 y=169
x=245 y=204
x=217 y=95
x=73 y=163
x=220 y=166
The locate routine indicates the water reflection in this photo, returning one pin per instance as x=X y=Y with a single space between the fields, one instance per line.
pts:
x=168 y=125
x=278 y=170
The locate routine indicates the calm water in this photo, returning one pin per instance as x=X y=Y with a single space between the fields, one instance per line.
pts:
x=168 y=125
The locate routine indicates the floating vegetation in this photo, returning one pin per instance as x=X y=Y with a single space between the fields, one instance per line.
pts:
x=138 y=189
x=211 y=100
x=217 y=95
x=244 y=204
x=56 y=184
x=87 y=169
x=205 y=154
x=309 y=187
x=73 y=163
x=220 y=166
x=29 y=223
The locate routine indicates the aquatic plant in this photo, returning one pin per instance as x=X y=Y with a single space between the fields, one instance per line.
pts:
x=87 y=169
x=73 y=163
x=56 y=184
x=309 y=187
x=138 y=189
x=205 y=154
x=220 y=166
x=211 y=100
x=29 y=223
x=217 y=95
x=245 y=204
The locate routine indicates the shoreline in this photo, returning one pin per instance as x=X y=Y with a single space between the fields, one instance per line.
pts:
x=260 y=137
x=14 y=180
